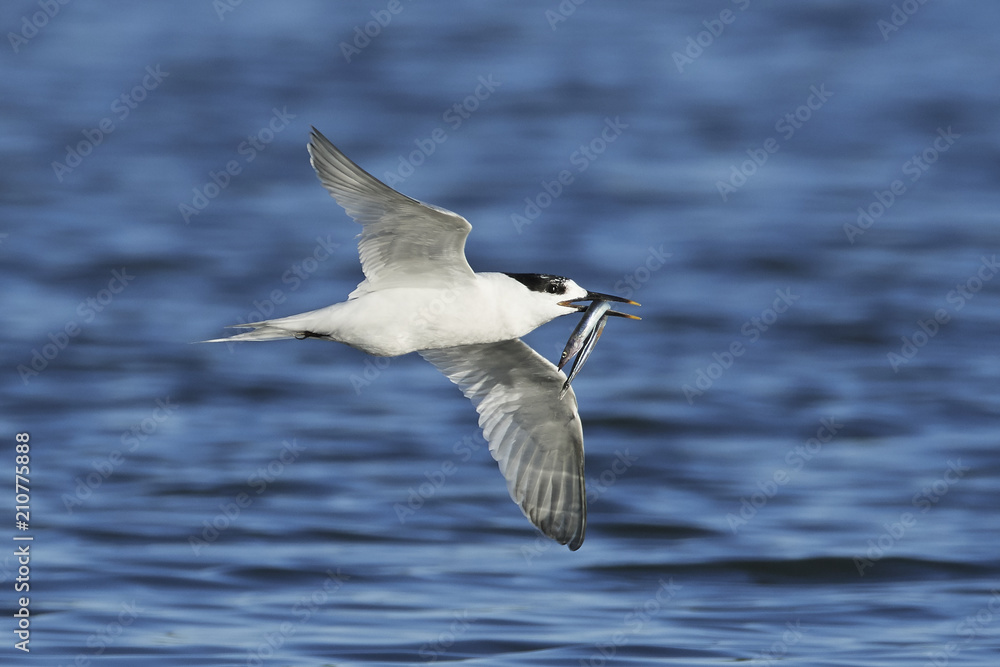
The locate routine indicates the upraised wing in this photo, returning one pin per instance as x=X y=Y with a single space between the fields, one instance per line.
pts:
x=404 y=242
x=535 y=436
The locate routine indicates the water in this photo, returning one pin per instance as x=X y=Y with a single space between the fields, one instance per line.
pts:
x=775 y=475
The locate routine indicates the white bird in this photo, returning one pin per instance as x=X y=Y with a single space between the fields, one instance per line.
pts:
x=420 y=295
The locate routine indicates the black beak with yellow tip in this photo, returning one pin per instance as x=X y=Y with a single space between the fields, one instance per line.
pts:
x=597 y=296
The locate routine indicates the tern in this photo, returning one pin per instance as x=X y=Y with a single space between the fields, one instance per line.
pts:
x=419 y=294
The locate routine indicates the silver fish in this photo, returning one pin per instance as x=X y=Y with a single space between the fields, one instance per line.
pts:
x=597 y=317
x=583 y=330
x=583 y=339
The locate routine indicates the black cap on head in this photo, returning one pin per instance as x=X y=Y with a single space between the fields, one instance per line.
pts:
x=541 y=282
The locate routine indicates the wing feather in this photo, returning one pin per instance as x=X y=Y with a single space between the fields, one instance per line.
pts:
x=404 y=242
x=535 y=437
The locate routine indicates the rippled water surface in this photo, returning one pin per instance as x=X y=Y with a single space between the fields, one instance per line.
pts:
x=792 y=459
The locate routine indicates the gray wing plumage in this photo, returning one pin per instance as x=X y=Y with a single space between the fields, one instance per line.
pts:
x=535 y=436
x=404 y=242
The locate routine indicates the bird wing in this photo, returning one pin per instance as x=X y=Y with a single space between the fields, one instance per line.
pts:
x=404 y=242
x=535 y=436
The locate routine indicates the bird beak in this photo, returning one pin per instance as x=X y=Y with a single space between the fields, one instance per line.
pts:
x=597 y=296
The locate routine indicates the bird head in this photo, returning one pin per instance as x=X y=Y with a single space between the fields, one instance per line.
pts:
x=553 y=296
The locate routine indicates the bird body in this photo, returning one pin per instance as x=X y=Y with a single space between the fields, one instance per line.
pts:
x=486 y=308
x=420 y=295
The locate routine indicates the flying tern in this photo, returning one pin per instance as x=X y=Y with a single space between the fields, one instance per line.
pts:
x=420 y=295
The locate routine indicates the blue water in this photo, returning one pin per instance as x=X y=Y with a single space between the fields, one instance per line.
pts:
x=792 y=459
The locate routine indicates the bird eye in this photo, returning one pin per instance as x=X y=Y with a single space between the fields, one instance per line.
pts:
x=555 y=289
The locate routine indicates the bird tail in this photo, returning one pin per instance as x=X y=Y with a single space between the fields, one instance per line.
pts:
x=296 y=326
x=262 y=331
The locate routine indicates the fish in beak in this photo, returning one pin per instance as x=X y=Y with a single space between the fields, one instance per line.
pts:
x=584 y=338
